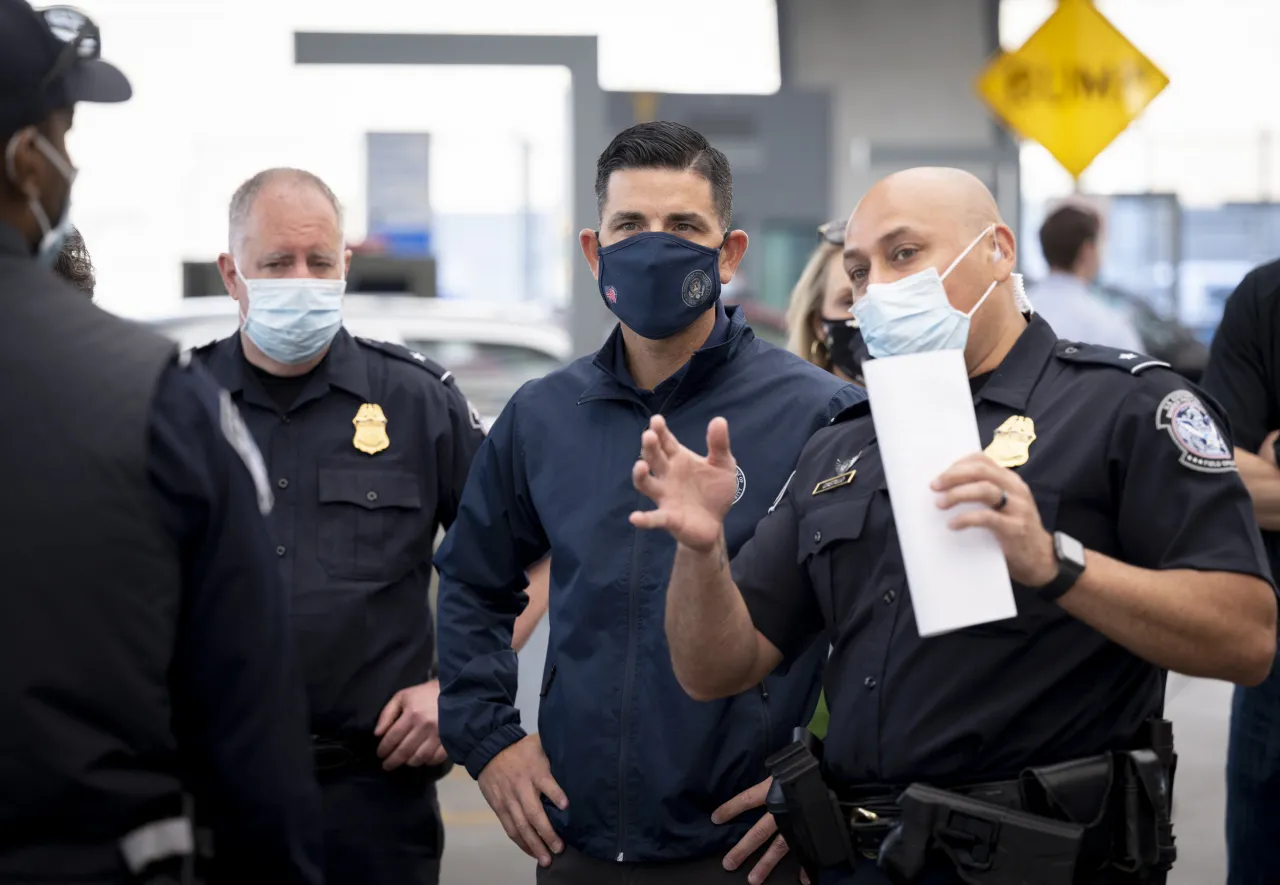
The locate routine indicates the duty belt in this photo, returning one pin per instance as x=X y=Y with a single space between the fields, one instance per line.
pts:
x=1101 y=816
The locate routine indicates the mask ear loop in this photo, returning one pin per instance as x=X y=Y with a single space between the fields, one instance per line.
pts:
x=967 y=250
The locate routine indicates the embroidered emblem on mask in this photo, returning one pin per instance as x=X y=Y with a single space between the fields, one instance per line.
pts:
x=697 y=286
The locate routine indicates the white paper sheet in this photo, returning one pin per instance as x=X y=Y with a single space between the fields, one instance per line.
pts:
x=923 y=412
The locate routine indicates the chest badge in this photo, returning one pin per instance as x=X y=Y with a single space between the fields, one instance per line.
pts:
x=1011 y=443
x=371 y=429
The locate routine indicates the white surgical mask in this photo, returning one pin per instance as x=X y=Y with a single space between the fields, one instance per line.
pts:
x=292 y=320
x=913 y=314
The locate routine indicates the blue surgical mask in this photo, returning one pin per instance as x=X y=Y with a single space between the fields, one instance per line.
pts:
x=657 y=284
x=53 y=235
x=292 y=320
x=913 y=314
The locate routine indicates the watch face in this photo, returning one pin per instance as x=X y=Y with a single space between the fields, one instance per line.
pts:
x=1070 y=549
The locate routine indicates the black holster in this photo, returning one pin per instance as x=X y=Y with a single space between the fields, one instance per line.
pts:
x=805 y=810
x=1073 y=822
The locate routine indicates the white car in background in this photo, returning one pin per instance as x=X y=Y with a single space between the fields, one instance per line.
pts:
x=492 y=349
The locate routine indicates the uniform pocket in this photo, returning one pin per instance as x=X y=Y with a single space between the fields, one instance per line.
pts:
x=828 y=548
x=371 y=524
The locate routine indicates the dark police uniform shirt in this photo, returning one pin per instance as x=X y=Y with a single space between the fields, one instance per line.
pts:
x=354 y=531
x=1244 y=367
x=1127 y=458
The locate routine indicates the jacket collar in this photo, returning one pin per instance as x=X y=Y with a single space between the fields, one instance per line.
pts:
x=1013 y=380
x=345 y=366
x=606 y=383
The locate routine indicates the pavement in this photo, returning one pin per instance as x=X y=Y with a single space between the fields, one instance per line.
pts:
x=479 y=853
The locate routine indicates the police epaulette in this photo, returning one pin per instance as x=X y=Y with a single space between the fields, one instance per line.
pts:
x=409 y=356
x=860 y=409
x=1100 y=355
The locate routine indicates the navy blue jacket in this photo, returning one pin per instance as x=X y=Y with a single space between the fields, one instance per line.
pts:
x=643 y=765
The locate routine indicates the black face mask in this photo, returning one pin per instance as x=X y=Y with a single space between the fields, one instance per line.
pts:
x=847 y=350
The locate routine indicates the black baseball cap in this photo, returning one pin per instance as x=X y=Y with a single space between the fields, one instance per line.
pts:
x=51 y=58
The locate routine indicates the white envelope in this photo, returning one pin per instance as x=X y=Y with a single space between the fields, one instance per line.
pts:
x=923 y=412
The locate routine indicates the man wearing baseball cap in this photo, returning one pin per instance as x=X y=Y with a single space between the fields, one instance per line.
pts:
x=144 y=635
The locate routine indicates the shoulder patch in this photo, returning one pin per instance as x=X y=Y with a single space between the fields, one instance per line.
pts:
x=237 y=434
x=1100 y=355
x=1191 y=426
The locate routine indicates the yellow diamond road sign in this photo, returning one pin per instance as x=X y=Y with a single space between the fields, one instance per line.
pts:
x=1074 y=86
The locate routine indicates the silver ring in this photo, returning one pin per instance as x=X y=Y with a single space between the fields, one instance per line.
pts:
x=1004 y=499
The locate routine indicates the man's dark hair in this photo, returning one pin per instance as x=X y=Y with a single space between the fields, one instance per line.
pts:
x=662 y=145
x=1065 y=232
x=74 y=264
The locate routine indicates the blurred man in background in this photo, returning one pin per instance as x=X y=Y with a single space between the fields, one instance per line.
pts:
x=74 y=265
x=1244 y=375
x=1070 y=240
x=144 y=648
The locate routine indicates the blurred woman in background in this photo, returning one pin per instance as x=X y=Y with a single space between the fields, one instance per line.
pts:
x=820 y=327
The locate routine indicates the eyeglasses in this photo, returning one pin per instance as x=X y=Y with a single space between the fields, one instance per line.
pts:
x=832 y=232
x=77 y=30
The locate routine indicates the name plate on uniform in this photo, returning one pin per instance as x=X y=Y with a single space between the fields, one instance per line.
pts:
x=923 y=412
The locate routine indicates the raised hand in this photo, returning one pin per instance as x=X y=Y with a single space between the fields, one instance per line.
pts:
x=692 y=493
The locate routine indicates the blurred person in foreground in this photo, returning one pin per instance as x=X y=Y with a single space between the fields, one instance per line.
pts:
x=74 y=265
x=144 y=648
x=820 y=327
x=367 y=444
x=1244 y=374
x=1070 y=239
x=628 y=780
x=1022 y=750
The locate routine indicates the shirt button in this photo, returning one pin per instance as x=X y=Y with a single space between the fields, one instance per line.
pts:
x=869 y=682
x=280 y=551
x=889 y=597
x=817 y=537
x=1071 y=350
x=282 y=482
x=284 y=419
x=372 y=496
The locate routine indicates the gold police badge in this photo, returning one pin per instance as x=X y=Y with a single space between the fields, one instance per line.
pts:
x=371 y=429
x=1011 y=444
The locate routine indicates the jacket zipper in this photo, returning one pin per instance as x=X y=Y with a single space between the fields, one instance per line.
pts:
x=628 y=677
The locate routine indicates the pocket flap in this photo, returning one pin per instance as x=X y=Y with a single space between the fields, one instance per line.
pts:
x=840 y=521
x=371 y=489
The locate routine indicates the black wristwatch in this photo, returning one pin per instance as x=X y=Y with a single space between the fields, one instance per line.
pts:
x=1070 y=555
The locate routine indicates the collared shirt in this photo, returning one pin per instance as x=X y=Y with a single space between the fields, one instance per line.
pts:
x=354 y=531
x=1126 y=457
x=656 y=398
x=1078 y=314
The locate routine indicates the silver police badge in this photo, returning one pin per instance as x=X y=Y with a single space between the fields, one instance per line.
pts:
x=696 y=289
x=1193 y=430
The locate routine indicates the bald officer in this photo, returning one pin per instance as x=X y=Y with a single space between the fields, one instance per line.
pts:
x=1127 y=531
